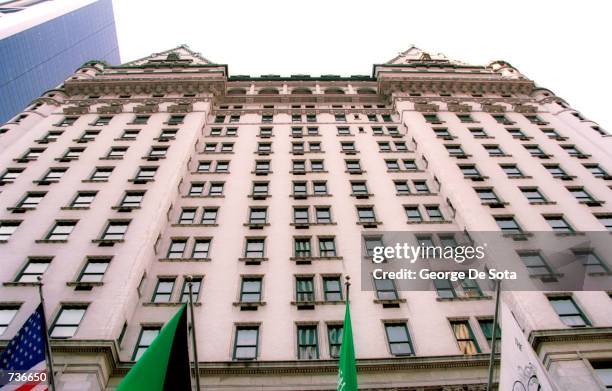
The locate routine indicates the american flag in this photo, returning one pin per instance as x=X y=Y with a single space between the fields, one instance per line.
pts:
x=26 y=352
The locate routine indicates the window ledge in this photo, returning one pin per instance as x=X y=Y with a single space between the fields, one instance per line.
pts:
x=184 y=259
x=137 y=181
x=194 y=225
x=42 y=182
x=252 y=261
x=51 y=241
x=120 y=208
x=261 y=172
x=430 y=222
x=18 y=283
x=355 y=172
x=259 y=197
x=416 y=194
x=107 y=242
x=20 y=209
x=476 y=178
x=461 y=155
x=74 y=208
x=310 y=259
x=521 y=177
x=94 y=180
x=500 y=155
x=495 y=204
x=570 y=233
x=84 y=284
x=464 y=298
x=256 y=225
x=168 y=304
x=542 y=203
x=203 y=196
x=592 y=202
x=249 y=304
x=66 y=159
x=394 y=301
x=369 y=224
x=153 y=158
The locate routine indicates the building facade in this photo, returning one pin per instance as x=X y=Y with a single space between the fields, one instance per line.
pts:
x=43 y=42
x=127 y=180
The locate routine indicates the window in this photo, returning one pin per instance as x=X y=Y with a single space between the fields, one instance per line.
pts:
x=606 y=221
x=334 y=336
x=141 y=119
x=308 y=345
x=264 y=147
x=568 y=311
x=399 y=339
x=157 y=152
x=470 y=171
x=302 y=248
x=201 y=249
x=573 y=151
x=580 y=194
x=209 y=216
x=312 y=131
x=297 y=148
x=347 y=146
x=304 y=289
x=502 y=119
x=454 y=150
x=511 y=170
x=176 y=248
x=88 y=135
x=227 y=147
x=129 y=134
x=216 y=189
x=7 y=313
x=296 y=118
x=434 y=213
x=258 y=216
x=332 y=288
x=558 y=224
x=196 y=189
x=596 y=170
x=73 y=153
x=311 y=117
x=7 y=229
x=146 y=337
x=535 y=150
x=384 y=146
x=187 y=216
x=246 y=342
x=61 y=230
x=176 y=119
x=591 y=261
x=371 y=243
x=299 y=189
x=10 y=174
x=385 y=289
x=508 y=224
x=102 y=120
x=145 y=173
x=32 y=154
x=353 y=165
x=51 y=136
x=168 y=134
x=516 y=132
x=222 y=166
x=555 y=170
x=323 y=214
x=101 y=174
x=265 y=132
x=359 y=188
x=327 y=247
x=116 y=152
x=413 y=214
x=67 y=321
x=31 y=200
x=299 y=165
x=319 y=188
x=250 y=290
x=486 y=325
x=210 y=147
x=54 y=174
x=67 y=121
x=343 y=130
x=465 y=118
x=603 y=370
x=464 y=336
x=163 y=290
x=421 y=187
x=487 y=196
x=445 y=288
x=494 y=150
x=260 y=189
x=262 y=166
x=366 y=214
x=132 y=199
x=532 y=194
x=551 y=133
x=432 y=118
x=34 y=268
x=196 y=284
x=409 y=164
x=317 y=165
x=392 y=164
x=83 y=199
x=254 y=248
x=377 y=130
x=535 y=264
x=401 y=187
x=94 y=270
x=478 y=133
x=115 y=230
x=340 y=118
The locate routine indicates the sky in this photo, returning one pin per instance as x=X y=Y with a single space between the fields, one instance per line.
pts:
x=562 y=45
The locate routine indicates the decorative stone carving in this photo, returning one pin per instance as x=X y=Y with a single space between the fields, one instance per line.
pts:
x=181 y=107
x=113 y=108
x=426 y=107
x=492 y=108
x=148 y=107
x=81 y=108
x=520 y=108
x=458 y=107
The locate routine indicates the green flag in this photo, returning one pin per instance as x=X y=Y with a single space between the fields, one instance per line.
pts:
x=347 y=368
x=165 y=364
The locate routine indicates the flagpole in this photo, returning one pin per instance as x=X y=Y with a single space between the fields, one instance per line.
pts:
x=48 y=356
x=494 y=335
x=348 y=285
x=193 y=336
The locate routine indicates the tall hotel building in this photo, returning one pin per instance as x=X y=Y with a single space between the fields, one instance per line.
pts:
x=125 y=180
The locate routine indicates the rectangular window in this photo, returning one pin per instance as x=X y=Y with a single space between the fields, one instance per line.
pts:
x=465 y=118
x=392 y=164
x=304 y=289
x=535 y=264
x=332 y=288
x=487 y=196
x=250 y=290
x=454 y=150
x=323 y=215
x=129 y=134
x=101 y=174
x=319 y=188
x=7 y=229
x=413 y=214
x=10 y=174
x=115 y=230
x=67 y=321
x=486 y=325
x=401 y=187
x=533 y=194
x=176 y=119
x=7 y=314
x=558 y=224
x=366 y=214
x=187 y=216
x=83 y=199
x=31 y=200
x=511 y=170
x=141 y=119
x=409 y=164
x=216 y=189
x=399 y=340
x=163 y=290
x=478 y=133
x=209 y=216
x=591 y=261
x=508 y=224
x=196 y=189
x=132 y=199
x=176 y=248
x=327 y=247
x=196 y=285
x=116 y=152
x=254 y=248
x=258 y=216
x=260 y=189
x=432 y=118
x=445 y=289
x=385 y=289
x=34 y=268
x=494 y=150
x=359 y=188
x=67 y=121
x=246 y=342
x=61 y=230
x=54 y=174
x=102 y=120
x=73 y=153
x=568 y=311
x=146 y=337
x=580 y=194
x=302 y=248
x=371 y=243
x=167 y=134
x=334 y=336
x=465 y=337
x=502 y=119
x=308 y=342
x=94 y=270
x=157 y=152
x=146 y=173
x=201 y=249
x=596 y=170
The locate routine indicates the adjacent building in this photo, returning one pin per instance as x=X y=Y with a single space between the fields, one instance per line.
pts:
x=127 y=181
x=42 y=42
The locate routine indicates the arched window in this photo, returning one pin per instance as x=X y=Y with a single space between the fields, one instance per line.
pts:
x=334 y=90
x=301 y=91
x=268 y=91
x=236 y=91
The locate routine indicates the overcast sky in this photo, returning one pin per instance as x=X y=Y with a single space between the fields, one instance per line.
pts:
x=562 y=45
